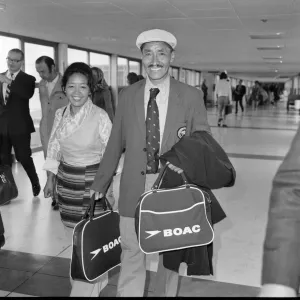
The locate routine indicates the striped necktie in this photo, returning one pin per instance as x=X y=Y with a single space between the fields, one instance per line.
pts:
x=7 y=93
x=152 y=133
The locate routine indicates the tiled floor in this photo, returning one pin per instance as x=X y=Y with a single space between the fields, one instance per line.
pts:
x=35 y=259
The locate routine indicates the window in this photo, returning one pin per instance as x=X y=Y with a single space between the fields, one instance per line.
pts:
x=122 y=71
x=189 y=77
x=6 y=44
x=197 y=80
x=32 y=53
x=75 y=55
x=134 y=66
x=101 y=61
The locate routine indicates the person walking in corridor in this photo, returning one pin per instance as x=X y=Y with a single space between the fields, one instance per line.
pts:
x=167 y=109
x=16 y=125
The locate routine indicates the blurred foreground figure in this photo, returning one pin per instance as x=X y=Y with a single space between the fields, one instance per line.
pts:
x=281 y=260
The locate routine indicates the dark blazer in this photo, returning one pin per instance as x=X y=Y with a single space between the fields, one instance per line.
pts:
x=15 y=115
x=281 y=257
x=205 y=164
x=186 y=113
x=239 y=94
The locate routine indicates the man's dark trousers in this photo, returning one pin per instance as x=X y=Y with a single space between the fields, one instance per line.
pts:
x=21 y=144
x=16 y=124
x=238 y=100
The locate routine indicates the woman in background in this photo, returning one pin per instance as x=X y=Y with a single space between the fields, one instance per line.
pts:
x=102 y=95
x=224 y=96
x=78 y=140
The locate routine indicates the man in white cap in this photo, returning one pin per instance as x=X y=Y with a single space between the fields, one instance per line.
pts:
x=151 y=117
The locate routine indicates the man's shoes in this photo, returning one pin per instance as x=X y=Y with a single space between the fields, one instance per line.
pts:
x=55 y=206
x=53 y=202
x=36 y=189
x=224 y=125
x=2 y=240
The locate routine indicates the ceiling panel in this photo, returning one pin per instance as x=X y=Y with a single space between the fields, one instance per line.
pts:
x=94 y=8
x=212 y=13
x=211 y=34
x=261 y=7
x=296 y=7
x=154 y=9
x=71 y=2
x=201 y=4
x=218 y=24
x=282 y=23
x=27 y=3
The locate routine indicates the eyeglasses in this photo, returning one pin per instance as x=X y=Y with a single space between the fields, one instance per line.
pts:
x=13 y=60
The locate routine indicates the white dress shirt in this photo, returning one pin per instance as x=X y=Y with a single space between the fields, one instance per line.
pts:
x=162 y=100
x=8 y=75
x=51 y=85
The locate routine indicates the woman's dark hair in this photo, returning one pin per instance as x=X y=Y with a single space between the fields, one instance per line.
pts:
x=132 y=78
x=223 y=75
x=81 y=68
x=141 y=77
x=101 y=83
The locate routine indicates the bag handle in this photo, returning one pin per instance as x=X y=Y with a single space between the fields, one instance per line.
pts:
x=162 y=172
x=90 y=211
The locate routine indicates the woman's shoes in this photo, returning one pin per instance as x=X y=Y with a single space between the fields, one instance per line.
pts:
x=219 y=122
x=224 y=125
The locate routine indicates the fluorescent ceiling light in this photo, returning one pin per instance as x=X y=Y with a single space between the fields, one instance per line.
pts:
x=264 y=48
x=267 y=36
x=272 y=57
x=2 y=6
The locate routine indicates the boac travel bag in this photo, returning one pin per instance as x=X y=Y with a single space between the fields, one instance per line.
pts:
x=96 y=244
x=8 y=188
x=173 y=219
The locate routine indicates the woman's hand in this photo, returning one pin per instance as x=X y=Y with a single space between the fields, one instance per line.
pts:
x=49 y=189
x=98 y=195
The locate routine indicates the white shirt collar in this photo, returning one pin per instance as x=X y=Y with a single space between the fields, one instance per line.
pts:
x=54 y=81
x=8 y=74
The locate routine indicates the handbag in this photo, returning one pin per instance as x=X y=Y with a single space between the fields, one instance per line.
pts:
x=173 y=219
x=96 y=243
x=8 y=187
x=228 y=109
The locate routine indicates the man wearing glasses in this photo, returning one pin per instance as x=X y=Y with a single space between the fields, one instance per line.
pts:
x=16 y=125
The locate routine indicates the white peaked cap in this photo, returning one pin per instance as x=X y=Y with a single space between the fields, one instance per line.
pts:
x=156 y=35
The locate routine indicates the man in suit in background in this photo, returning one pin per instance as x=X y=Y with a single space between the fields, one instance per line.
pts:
x=16 y=125
x=281 y=256
x=204 y=89
x=239 y=93
x=152 y=115
x=52 y=97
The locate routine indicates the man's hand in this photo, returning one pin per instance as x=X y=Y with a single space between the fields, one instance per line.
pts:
x=5 y=79
x=174 y=168
x=98 y=195
x=43 y=87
